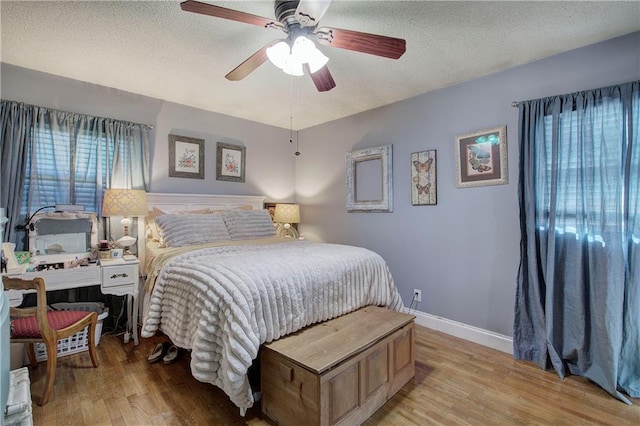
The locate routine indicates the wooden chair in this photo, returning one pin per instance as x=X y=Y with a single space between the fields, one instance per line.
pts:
x=36 y=324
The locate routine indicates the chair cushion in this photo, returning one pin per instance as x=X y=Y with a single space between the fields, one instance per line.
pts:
x=27 y=328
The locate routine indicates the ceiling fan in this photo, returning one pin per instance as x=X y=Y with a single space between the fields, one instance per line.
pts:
x=299 y=20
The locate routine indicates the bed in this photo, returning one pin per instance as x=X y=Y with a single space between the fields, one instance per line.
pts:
x=220 y=283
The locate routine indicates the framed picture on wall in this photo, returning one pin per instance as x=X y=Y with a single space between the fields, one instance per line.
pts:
x=423 y=178
x=230 y=162
x=481 y=158
x=186 y=157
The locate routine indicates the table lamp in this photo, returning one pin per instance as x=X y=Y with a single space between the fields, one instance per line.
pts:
x=125 y=203
x=284 y=216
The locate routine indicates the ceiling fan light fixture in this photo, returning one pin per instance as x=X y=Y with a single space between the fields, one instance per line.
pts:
x=307 y=53
x=293 y=67
x=316 y=61
x=302 y=48
x=279 y=53
x=291 y=59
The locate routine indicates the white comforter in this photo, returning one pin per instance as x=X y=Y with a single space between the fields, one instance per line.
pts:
x=224 y=302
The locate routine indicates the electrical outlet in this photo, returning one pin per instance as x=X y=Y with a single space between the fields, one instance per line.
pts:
x=417 y=295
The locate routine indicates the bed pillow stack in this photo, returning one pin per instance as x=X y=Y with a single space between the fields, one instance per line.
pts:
x=178 y=230
x=248 y=224
x=151 y=228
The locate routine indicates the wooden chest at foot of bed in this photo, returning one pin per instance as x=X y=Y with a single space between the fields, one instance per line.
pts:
x=339 y=371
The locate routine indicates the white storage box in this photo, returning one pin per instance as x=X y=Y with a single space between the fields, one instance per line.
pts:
x=80 y=341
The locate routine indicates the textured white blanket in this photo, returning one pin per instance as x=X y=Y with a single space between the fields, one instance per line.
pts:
x=224 y=302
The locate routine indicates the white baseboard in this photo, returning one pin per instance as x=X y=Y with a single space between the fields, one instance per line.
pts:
x=464 y=331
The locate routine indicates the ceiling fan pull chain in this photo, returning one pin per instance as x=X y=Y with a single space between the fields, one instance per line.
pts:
x=293 y=97
x=291 y=129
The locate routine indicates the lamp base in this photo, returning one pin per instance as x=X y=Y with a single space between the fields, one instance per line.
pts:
x=126 y=242
x=286 y=230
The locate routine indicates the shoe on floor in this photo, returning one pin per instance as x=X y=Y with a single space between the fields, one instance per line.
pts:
x=157 y=353
x=172 y=355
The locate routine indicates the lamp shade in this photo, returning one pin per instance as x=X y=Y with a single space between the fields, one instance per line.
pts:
x=287 y=213
x=305 y=52
x=278 y=54
x=124 y=202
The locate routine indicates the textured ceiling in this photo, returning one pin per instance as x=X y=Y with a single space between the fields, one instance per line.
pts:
x=155 y=49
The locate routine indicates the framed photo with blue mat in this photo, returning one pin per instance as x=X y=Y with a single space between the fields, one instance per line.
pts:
x=481 y=158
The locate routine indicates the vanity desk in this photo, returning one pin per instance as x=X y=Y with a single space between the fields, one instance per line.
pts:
x=57 y=240
x=117 y=277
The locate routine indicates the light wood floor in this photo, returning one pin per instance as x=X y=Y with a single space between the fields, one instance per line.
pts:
x=456 y=383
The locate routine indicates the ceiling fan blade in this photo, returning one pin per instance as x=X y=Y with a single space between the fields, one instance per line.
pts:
x=322 y=78
x=372 y=44
x=309 y=12
x=234 y=15
x=251 y=63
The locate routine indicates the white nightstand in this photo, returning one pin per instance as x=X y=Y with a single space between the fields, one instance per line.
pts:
x=121 y=277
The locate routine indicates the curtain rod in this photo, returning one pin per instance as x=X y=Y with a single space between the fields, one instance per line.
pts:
x=78 y=113
x=515 y=104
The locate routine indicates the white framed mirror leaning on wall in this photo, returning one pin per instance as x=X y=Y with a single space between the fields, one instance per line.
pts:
x=370 y=180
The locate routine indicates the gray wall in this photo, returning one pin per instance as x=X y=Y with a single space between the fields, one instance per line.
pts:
x=270 y=163
x=463 y=253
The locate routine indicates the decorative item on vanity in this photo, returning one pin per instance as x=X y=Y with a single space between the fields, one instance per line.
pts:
x=481 y=158
x=125 y=203
x=284 y=216
x=104 y=252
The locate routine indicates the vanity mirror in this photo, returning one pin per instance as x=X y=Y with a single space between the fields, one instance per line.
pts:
x=369 y=180
x=62 y=233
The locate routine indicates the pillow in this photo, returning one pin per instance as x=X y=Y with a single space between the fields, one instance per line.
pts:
x=177 y=230
x=248 y=224
x=152 y=232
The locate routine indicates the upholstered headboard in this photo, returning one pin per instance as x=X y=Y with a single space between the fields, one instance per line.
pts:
x=170 y=203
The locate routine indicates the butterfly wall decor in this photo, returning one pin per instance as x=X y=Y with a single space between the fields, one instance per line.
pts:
x=423 y=189
x=423 y=167
x=481 y=158
x=423 y=178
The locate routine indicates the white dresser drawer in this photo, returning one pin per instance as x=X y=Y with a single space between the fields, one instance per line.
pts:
x=118 y=275
x=61 y=279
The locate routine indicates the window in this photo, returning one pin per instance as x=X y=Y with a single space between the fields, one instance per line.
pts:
x=579 y=171
x=54 y=157
x=65 y=166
